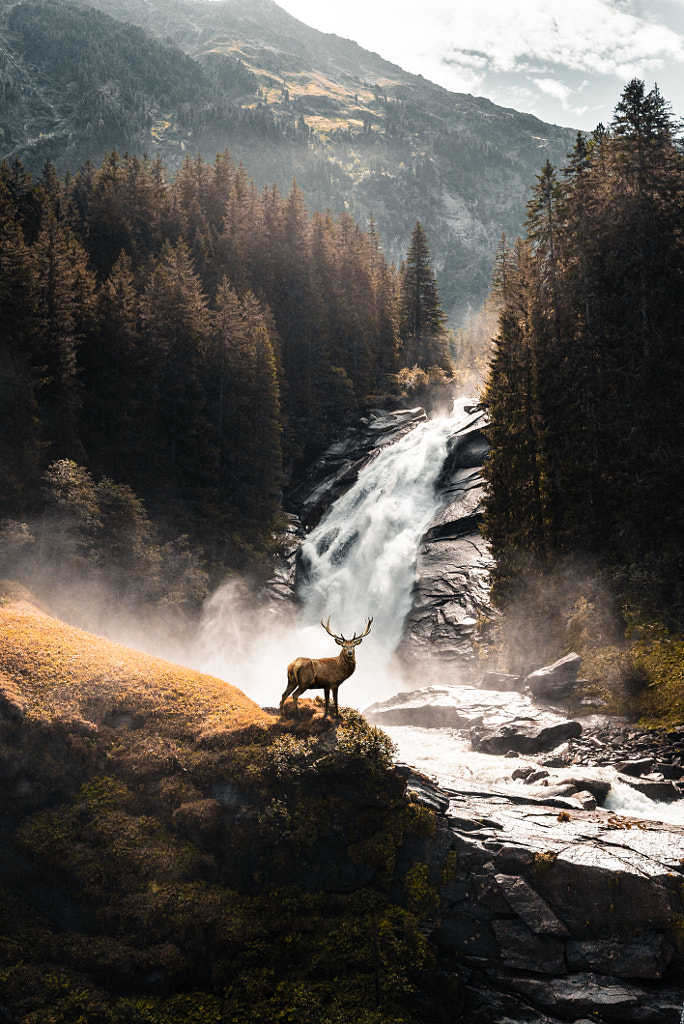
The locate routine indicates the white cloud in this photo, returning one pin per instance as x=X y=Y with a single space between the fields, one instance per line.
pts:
x=553 y=88
x=591 y=35
x=587 y=35
x=478 y=46
x=562 y=93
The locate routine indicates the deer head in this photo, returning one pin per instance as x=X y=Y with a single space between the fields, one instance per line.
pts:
x=347 y=645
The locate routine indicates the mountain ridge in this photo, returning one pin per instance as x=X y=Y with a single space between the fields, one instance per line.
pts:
x=356 y=131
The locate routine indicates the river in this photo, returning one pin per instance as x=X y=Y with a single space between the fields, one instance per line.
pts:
x=358 y=563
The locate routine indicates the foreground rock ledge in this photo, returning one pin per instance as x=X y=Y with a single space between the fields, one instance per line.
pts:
x=557 y=916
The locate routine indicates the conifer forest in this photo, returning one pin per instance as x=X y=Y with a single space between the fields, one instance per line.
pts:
x=173 y=350
x=586 y=382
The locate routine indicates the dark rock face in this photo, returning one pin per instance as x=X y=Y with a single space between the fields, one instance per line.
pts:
x=646 y=958
x=452 y=571
x=557 y=917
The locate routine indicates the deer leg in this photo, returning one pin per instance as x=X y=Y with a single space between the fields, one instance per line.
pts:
x=291 y=685
x=284 y=697
x=337 y=713
x=298 y=692
x=327 y=700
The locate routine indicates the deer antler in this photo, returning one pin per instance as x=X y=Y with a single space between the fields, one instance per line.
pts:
x=357 y=639
x=326 y=626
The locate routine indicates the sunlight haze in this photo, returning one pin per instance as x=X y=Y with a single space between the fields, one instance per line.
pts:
x=566 y=63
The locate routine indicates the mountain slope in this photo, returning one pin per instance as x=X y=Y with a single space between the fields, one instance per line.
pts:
x=357 y=132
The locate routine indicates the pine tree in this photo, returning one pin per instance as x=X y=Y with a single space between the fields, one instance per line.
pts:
x=589 y=367
x=64 y=308
x=114 y=381
x=176 y=333
x=246 y=412
x=422 y=318
x=516 y=503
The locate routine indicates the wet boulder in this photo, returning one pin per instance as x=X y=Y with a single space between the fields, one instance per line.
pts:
x=556 y=680
x=502 y=681
x=641 y=766
x=440 y=707
x=527 y=736
x=659 y=789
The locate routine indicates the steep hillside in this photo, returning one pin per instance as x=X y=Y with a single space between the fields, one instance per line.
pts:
x=52 y=672
x=357 y=132
x=171 y=853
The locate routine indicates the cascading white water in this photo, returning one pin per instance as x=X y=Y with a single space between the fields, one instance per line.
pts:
x=359 y=562
x=625 y=800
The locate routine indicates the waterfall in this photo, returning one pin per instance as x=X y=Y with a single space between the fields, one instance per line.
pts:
x=358 y=563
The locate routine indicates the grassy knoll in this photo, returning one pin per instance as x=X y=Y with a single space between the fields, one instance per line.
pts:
x=169 y=852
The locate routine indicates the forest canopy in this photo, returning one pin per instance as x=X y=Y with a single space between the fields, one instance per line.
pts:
x=586 y=385
x=187 y=344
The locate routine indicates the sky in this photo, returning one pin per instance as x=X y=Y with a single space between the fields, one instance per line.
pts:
x=567 y=61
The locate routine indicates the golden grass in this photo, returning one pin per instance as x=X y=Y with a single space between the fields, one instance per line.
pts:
x=50 y=670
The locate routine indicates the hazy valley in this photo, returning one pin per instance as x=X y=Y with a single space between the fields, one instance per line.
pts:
x=356 y=132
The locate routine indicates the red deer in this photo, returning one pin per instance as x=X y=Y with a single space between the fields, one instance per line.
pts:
x=323 y=673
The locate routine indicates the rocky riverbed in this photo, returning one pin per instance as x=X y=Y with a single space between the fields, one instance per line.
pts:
x=556 y=913
x=504 y=738
x=565 y=900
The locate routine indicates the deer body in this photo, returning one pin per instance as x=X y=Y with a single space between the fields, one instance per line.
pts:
x=325 y=674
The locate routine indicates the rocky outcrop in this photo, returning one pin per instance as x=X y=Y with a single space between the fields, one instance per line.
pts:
x=494 y=727
x=525 y=736
x=555 y=916
x=452 y=572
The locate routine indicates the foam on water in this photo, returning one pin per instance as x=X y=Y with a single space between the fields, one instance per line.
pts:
x=625 y=800
x=360 y=560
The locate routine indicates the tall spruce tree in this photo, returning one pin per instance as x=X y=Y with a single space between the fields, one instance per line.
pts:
x=21 y=372
x=423 y=319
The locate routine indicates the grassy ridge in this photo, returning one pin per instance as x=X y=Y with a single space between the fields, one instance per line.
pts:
x=171 y=853
x=50 y=670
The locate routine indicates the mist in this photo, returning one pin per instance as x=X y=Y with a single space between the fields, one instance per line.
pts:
x=357 y=564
